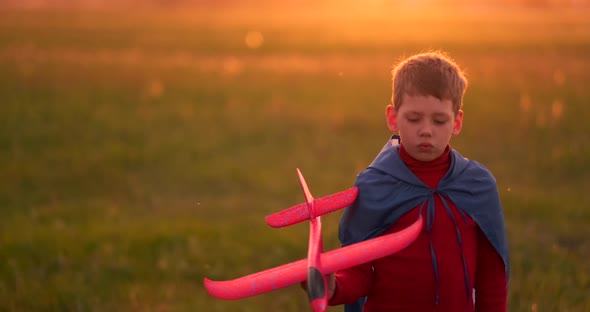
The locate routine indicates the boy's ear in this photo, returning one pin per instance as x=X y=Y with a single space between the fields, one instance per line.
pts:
x=458 y=123
x=391 y=117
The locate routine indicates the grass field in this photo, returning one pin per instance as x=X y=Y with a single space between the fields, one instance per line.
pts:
x=140 y=152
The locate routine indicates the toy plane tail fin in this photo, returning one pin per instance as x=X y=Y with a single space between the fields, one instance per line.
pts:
x=308 y=197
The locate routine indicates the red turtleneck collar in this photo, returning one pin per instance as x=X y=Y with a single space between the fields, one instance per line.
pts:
x=429 y=172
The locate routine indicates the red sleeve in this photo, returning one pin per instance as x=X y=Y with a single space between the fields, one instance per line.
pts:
x=491 y=289
x=352 y=284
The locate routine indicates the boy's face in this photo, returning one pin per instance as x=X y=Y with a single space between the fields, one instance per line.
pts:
x=425 y=125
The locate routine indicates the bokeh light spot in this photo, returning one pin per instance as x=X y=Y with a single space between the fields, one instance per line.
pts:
x=557 y=109
x=254 y=39
x=155 y=88
x=558 y=77
x=231 y=66
x=525 y=103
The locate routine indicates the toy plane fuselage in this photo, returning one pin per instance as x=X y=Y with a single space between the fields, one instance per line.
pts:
x=318 y=263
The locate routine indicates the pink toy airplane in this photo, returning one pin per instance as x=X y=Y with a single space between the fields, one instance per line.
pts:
x=318 y=264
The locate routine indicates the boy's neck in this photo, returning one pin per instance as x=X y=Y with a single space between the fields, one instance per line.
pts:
x=428 y=172
x=406 y=157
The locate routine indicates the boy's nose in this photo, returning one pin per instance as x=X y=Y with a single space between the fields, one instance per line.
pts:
x=425 y=131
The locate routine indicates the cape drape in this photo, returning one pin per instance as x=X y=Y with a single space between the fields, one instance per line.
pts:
x=388 y=190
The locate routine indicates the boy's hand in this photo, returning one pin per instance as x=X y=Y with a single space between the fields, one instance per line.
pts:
x=331 y=285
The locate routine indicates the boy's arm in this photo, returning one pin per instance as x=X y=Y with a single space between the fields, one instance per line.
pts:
x=352 y=284
x=491 y=289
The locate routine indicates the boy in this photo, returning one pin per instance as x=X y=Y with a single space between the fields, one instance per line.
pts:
x=459 y=262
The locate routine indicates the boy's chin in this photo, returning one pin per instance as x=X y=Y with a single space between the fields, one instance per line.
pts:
x=425 y=157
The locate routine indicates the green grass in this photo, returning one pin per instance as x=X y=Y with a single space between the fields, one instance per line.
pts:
x=140 y=155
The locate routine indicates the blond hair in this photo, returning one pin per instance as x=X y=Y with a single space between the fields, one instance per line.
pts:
x=429 y=74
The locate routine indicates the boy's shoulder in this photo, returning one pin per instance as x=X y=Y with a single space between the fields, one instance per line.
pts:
x=477 y=170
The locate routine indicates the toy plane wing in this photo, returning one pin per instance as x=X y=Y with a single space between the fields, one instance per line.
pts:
x=332 y=261
x=322 y=206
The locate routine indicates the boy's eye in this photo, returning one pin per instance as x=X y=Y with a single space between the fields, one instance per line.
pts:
x=440 y=122
x=413 y=120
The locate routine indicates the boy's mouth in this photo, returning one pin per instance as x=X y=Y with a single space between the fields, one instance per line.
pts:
x=425 y=147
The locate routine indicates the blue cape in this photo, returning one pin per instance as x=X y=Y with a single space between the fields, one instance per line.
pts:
x=388 y=190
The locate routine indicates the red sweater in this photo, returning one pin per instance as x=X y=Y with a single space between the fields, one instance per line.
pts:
x=406 y=280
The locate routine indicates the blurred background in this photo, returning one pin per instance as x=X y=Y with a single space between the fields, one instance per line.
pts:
x=142 y=143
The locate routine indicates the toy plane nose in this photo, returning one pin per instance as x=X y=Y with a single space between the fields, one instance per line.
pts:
x=319 y=305
x=316 y=290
